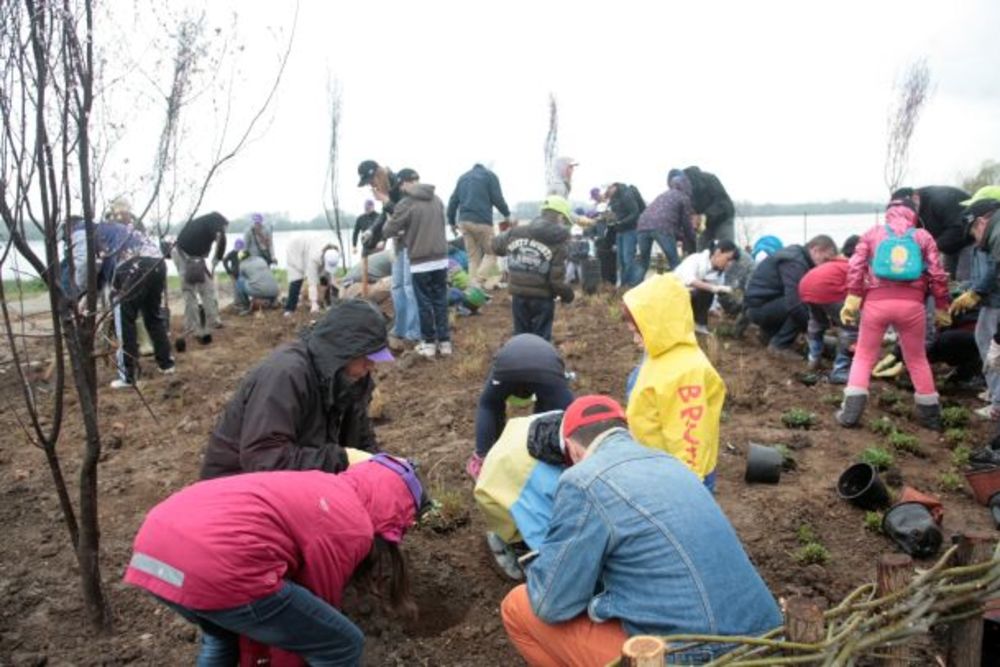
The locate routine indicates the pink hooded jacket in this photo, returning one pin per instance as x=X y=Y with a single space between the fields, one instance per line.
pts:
x=229 y=541
x=862 y=282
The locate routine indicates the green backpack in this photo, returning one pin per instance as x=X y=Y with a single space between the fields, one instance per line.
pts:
x=898 y=257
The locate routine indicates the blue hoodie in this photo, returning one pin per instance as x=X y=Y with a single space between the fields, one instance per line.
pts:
x=476 y=193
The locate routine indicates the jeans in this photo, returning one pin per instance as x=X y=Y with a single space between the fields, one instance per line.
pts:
x=431 y=289
x=627 y=269
x=701 y=302
x=724 y=229
x=779 y=326
x=821 y=318
x=986 y=325
x=667 y=243
x=294 y=289
x=293 y=619
x=242 y=294
x=491 y=412
x=139 y=283
x=406 y=322
x=533 y=315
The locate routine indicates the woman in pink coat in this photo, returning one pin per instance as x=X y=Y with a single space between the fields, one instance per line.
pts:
x=899 y=303
x=267 y=555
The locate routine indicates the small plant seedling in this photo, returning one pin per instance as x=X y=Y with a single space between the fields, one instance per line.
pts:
x=812 y=553
x=787 y=457
x=950 y=481
x=956 y=436
x=955 y=417
x=889 y=398
x=798 y=418
x=877 y=457
x=873 y=522
x=904 y=442
x=960 y=456
x=806 y=534
x=882 y=426
x=448 y=512
x=832 y=399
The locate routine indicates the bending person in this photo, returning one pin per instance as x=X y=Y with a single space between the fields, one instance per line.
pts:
x=703 y=274
x=526 y=367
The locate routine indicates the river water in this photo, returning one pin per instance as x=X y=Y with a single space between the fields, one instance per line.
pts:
x=789 y=228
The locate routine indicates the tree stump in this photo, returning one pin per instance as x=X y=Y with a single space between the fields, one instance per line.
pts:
x=894 y=573
x=965 y=638
x=804 y=622
x=643 y=651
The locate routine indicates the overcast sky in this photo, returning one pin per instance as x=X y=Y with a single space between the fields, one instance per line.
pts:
x=784 y=101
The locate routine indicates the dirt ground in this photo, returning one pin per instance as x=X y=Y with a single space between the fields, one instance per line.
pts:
x=429 y=408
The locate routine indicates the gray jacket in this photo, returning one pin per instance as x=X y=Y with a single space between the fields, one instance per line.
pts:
x=419 y=219
x=260 y=281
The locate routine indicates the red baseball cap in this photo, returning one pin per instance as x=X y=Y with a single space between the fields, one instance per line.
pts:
x=588 y=410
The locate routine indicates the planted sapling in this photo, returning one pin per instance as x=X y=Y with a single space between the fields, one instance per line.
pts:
x=877 y=457
x=798 y=418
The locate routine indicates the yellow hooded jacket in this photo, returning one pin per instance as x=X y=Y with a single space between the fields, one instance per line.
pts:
x=677 y=399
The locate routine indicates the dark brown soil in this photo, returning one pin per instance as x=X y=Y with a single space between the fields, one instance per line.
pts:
x=429 y=408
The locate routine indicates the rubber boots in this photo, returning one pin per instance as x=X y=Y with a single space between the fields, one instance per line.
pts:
x=853 y=407
x=928 y=411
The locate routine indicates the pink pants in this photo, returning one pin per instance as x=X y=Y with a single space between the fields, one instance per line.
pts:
x=908 y=318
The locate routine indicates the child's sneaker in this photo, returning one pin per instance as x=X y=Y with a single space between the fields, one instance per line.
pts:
x=426 y=349
x=444 y=348
x=119 y=383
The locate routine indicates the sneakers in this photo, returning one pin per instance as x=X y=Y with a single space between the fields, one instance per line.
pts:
x=984 y=395
x=119 y=383
x=504 y=557
x=170 y=370
x=444 y=348
x=288 y=313
x=702 y=329
x=206 y=339
x=474 y=465
x=426 y=349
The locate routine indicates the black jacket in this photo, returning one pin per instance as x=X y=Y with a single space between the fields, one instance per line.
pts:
x=626 y=207
x=709 y=197
x=475 y=195
x=941 y=215
x=295 y=411
x=362 y=223
x=197 y=236
x=778 y=276
x=537 y=258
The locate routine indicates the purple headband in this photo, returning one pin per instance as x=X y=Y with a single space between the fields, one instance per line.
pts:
x=404 y=469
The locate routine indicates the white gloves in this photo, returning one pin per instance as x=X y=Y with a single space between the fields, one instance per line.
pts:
x=314 y=298
x=993 y=357
x=722 y=289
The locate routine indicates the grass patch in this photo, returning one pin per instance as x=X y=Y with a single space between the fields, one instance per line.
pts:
x=806 y=534
x=950 y=481
x=873 y=522
x=813 y=553
x=832 y=399
x=960 y=456
x=877 y=457
x=882 y=426
x=798 y=418
x=26 y=287
x=956 y=436
x=904 y=442
x=955 y=417
x=448 y=511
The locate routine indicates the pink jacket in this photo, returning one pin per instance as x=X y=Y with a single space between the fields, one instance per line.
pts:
x=229 y=541
x=862 y=282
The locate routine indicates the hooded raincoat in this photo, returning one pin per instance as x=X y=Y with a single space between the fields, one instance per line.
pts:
x=517 y=484
x=677 y=399
x=223 y=543
x=296 y=411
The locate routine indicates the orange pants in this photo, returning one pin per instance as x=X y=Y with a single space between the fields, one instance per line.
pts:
x=578 y=642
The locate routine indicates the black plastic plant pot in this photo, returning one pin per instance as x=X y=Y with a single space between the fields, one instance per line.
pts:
x=994 y=506
x=911 y=526
x=860 y=485
x=763 y=464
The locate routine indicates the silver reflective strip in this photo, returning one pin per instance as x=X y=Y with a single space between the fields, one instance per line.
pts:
x=158 y=569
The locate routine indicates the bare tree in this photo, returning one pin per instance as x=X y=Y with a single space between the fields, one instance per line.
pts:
x=552 y=137
x=332 y=166
x=988 y=174
x=906 y=107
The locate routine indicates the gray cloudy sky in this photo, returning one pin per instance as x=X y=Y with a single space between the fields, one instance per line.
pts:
x=785 y=101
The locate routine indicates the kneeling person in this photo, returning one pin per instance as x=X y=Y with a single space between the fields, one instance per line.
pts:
x=619 y=559
x=254 y=281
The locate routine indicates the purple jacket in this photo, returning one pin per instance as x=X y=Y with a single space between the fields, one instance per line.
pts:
x=670 y=212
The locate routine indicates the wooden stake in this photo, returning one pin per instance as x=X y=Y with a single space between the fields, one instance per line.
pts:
x=965 y=639
x=894 y=572
x=804 y=621
x=643 y=651
x=364 y=274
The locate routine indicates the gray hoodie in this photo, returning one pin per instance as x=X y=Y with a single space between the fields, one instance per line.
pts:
x=418 y=220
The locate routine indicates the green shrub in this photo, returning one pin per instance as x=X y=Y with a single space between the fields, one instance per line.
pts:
x=882 y=426
x=812 y=553
x=788 y=461
x=798 y=418
x=873 y=522
x=889 y=398
x=955 y=417
x=950 y=481
x=904 y=442
x=956 y=436
x=805 y=534
x=960 y=456
x=877 y=457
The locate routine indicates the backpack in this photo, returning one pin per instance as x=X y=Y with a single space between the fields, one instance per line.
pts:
x=898 y=257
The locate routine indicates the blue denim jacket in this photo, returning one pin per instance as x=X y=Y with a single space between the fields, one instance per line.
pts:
x=984 y=278
x=635 y=536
